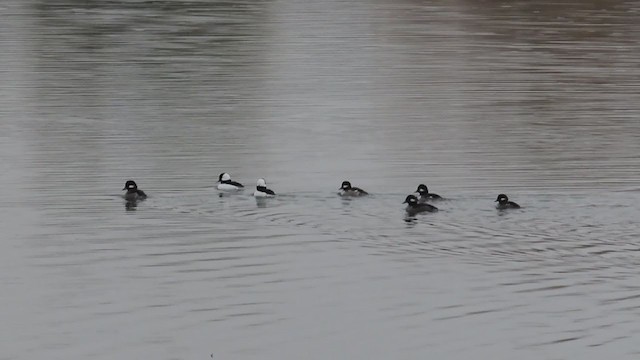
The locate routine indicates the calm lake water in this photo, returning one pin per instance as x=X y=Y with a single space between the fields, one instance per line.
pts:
x=539 y=100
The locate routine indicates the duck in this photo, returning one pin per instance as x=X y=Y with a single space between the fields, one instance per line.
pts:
x=425 y=195
x=347 y=190
x=414 y=207
x=133 y=193
x=226 y=184
x=262 y=191
x=504 y=203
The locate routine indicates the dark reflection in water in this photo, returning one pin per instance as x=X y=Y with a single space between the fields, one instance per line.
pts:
x=131 y=205
x=474 y=98
x=262 y=202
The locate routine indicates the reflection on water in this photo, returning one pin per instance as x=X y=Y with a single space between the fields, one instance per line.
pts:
x=538 y=100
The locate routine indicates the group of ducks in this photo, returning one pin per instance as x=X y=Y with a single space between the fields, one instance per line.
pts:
x=415 y=205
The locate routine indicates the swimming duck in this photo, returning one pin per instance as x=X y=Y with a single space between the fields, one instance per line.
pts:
x=133 y=193
x=425 y=195
x=504 y=203
x=226 y=184
x=262 y=191
x=413 y=207
x=347 y=190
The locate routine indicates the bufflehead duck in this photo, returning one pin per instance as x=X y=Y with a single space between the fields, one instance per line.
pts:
x=133 y=193
x=225 y=183
x=262 y=191
x=425 y=195
x=347 y=190
x=413 y=207
x=504 y=203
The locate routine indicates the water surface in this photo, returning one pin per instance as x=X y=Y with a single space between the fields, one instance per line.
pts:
x=536 y=100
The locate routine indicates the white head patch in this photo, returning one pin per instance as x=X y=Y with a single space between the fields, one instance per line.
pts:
x=261 y=182
x=226 y=177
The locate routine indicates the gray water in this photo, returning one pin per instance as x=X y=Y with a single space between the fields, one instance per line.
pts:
x=539 y=100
